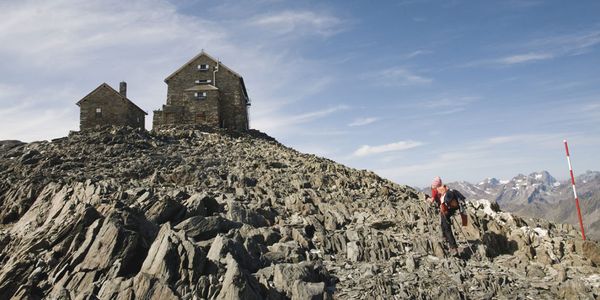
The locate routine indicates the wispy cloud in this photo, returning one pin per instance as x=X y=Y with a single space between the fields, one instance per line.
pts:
x=522 y=139
x=544 y=49
x=69 y=33
x=8 y=91
x=398 y=76
x=80 y=45
x=397 y=146
x=450 y=102
x=547 y=48
x=568 y=44
x=452 y=166
x=285 y=22
x=418 y=53
x=486 y=156
x=36 y=114
x=592 y=106
x=281 y=123
x=523 y=58
x=310 y=116
x=363 y=121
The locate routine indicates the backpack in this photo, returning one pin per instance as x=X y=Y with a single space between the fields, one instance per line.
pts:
x=455 y=200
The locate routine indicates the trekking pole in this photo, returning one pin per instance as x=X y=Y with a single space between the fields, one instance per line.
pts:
x=464 y=236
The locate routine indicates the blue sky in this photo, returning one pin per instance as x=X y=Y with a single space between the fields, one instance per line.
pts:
x=409 y=89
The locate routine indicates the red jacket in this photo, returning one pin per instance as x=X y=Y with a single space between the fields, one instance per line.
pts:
x=435 y=196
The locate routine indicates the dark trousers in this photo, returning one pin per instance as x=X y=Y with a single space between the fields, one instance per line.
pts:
x=447 y=228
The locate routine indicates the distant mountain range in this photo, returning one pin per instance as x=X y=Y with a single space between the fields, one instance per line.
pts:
x=542 y=196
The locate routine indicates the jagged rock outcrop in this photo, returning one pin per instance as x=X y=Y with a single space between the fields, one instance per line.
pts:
x=190 y=214
x=540 y=195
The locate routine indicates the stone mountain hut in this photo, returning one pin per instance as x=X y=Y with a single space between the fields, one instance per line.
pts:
x=104 y=106
x=204 y=92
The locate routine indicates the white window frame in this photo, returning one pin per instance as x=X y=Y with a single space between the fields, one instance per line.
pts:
x=203 y=81
x=200 y=95
x=203 y=67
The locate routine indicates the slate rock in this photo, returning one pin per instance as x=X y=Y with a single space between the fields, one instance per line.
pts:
x=203 y=213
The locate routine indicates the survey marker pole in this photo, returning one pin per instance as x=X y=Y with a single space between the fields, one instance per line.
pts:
x=574 y=190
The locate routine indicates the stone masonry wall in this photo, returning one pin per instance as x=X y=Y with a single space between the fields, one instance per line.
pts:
x=196 y=111
x=235 y=113
x=223 y=108
x=135 y=117
x=115 y=111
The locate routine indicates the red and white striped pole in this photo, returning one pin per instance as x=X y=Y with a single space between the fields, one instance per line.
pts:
x=574 y=190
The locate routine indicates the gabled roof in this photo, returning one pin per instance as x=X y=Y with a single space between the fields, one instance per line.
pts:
x=221 y=65
x=104 y=85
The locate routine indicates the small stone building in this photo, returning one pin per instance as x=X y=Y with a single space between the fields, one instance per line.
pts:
x=104 y=106
x=204 y=92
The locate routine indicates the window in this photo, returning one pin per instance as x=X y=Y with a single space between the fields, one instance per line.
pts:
x=98 y=112
x=200 y=95
x=201 y=81
x=202 y=67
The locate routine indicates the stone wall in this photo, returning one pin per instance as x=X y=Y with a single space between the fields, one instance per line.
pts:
x=135 y=118
x=195 y=111
x=114 y=110
x=222 y=107
x=235 y=113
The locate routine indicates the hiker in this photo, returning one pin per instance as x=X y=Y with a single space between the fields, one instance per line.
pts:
x=449 y=202
x=435 y=197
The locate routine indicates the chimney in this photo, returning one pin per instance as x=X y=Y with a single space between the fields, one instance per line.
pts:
x=123 y=89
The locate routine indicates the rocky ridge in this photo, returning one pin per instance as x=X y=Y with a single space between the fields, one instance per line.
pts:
x=540 y=195
x=190 y=214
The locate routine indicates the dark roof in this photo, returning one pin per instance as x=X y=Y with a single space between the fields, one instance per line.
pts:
x=104 y=85
x=221 y=65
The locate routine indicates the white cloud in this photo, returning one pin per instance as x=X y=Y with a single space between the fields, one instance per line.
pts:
x=310 y=116
x=73 y=46
x=363 y=121
x=397 y=146
x=398 y=76
x=551 y=47
x=452 y=102
x=418 y=53
x=523 y=58
x=68 y=33
x=279 y=124
x=546 y=48
x=592 y=106
x=523 y=138
x=568 y=44
x=285 y=22
x=9 y=91
x=36 y=114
